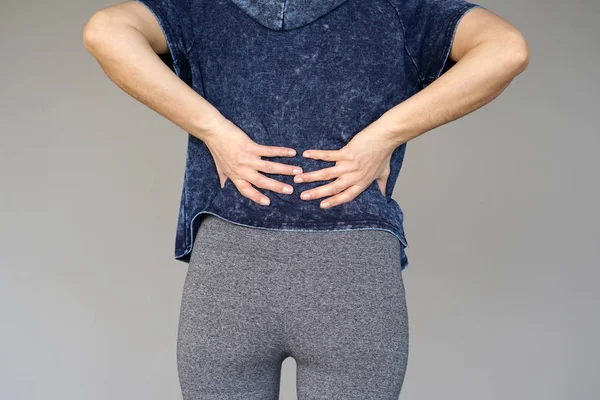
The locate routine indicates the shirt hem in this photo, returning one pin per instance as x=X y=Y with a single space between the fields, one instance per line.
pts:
x=316 y=226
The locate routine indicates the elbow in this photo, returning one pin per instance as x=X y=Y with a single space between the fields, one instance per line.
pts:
x=95 y=30
x=516 y=52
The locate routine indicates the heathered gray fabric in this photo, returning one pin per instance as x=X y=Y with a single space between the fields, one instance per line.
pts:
x=332 y=300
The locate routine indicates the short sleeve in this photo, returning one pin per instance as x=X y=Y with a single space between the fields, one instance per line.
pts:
x=174 y=18
x=429 y=29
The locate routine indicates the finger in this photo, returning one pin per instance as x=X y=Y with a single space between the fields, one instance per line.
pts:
x=324 y=174
x=343 y=197
x=264 y=182
x=275 y=168
x=329 y=189
x=325 y=155
x=274 y=151
x=248 y=191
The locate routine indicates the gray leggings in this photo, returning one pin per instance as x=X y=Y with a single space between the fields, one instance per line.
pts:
x=334 y=301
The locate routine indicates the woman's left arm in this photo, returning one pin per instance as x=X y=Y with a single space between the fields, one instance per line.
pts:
x=488 y=53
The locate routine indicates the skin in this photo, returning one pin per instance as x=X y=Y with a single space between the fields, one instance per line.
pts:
x=489 y=53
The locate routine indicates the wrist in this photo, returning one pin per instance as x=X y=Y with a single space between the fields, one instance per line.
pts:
x=391 y=131
x=208 y=126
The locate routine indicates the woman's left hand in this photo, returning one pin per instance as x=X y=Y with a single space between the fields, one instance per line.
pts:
x=364 y=159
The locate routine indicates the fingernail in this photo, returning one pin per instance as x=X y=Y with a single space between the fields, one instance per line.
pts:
x=297 y=179
x=305 y=196
x=325 y=204
x=288 y=189
x=296 y=171
x=264 y=201
x=306 y=154
x=291 y=152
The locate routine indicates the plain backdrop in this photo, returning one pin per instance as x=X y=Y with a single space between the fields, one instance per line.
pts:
x=501 y=215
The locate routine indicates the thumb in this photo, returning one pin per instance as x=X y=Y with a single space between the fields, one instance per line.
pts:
x=382 y=185
x=222 y=177
x=384 y=176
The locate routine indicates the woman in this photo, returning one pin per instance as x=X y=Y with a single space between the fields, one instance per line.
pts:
x=278 y=96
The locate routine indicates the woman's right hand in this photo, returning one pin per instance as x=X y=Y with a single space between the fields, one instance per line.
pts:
x=238 y=158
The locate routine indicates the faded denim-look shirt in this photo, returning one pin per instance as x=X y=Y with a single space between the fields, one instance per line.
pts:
x=305 y=74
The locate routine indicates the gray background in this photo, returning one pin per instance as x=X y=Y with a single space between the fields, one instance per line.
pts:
x=501 y=213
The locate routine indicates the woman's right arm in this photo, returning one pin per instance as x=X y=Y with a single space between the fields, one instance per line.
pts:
x=126 y=39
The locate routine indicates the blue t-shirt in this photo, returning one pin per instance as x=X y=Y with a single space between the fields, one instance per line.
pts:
x=305 y=74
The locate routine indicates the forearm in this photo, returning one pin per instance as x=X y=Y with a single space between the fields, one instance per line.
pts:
x=475 y=80
x=129 y=61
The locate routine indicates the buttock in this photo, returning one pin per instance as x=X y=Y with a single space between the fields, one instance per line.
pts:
x=332 y=300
